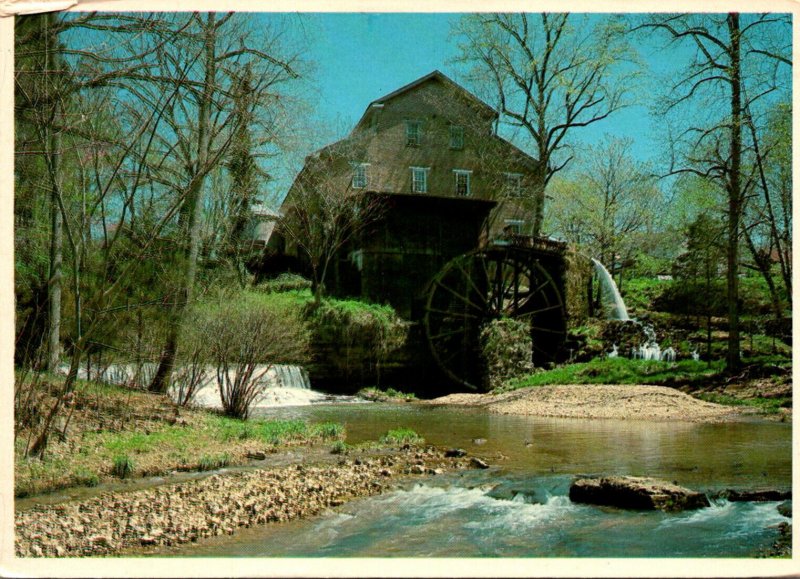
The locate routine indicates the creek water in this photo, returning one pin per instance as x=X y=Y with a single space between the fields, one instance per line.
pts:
x=519 y=507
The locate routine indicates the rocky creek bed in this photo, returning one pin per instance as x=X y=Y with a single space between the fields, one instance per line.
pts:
x=128 y=522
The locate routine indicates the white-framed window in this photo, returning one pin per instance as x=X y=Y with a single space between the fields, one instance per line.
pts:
x=513 y=184
x=462 y=182
x=413 y=133
x=456 y=137
x=419 y=179
x=514 y=226
x=359 y=180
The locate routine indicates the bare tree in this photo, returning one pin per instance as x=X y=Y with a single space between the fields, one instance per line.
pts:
x=201 y=147
x=323 y=211
x=736 y=58
x=549 y=74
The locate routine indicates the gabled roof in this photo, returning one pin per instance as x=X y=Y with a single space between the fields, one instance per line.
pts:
x=437 y=75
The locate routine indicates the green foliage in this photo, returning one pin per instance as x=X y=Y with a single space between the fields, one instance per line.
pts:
x=401 y=436
x=85 y=478
x=285 y=282
x=389 y=395
x=363 y=334
x=273 y=432
x=641 y=293
x=765 y=405
x=507 y=351
x=620 y=371
x=340 y=447
x=214 y=461
x=123 y=466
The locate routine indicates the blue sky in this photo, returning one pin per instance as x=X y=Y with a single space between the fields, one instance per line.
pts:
x=361 y=57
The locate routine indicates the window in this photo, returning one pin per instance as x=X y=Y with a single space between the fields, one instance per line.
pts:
x=413 y=133
x=456 y=137
x=462 y=182
x=513 y=226
x=359 y=175
x=513 y=184
x=419 y=179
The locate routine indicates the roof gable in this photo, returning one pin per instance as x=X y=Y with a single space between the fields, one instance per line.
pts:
x=435 y=75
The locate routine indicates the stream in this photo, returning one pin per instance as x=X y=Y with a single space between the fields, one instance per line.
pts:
x=519 y=507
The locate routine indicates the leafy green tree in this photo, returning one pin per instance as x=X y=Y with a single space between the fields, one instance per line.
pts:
x=698 y=289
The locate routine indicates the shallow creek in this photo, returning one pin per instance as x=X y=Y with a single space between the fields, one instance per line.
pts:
x=519 y=507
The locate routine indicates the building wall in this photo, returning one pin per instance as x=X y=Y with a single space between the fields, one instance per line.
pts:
x=379 y=140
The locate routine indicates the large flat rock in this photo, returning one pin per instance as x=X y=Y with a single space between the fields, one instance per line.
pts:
x=629 y=492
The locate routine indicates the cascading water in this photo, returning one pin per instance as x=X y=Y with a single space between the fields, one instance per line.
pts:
x=650 y=350
x=609 y=289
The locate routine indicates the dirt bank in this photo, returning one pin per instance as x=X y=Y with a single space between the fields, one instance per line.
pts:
x=116 y=523
x=597 y=401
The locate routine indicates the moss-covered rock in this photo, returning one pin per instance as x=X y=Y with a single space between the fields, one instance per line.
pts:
x=507 y=350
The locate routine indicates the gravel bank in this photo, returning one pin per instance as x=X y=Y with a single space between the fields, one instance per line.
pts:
x=179 y=513
x=597 y=401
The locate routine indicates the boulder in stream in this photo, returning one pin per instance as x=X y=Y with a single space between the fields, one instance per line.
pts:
x=629 y=492
x=758 y=495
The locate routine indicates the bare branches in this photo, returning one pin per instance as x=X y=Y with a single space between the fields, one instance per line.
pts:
x=549 y=74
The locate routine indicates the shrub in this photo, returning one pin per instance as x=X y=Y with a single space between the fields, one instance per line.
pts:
x=123 y=466
x=400 y=436
x=244 y=340
x=507 y=350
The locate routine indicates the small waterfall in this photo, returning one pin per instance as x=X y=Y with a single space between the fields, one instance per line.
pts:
x=614 y=353
x=286 y=376
x=668 y=355
x=611 y=292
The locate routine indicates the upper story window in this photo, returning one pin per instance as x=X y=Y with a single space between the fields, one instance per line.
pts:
x=513 y=184
x=419 y=179
x=462 y=180
x=456 y=137
x=359 y=180
x=413 y=133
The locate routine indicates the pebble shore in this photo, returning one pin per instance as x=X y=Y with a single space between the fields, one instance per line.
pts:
x=219 y=504
x=597 y=401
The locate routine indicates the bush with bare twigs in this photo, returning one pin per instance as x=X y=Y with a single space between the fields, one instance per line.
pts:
x=243 y=344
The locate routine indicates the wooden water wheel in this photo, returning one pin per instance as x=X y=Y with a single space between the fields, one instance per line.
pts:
x=484 y=285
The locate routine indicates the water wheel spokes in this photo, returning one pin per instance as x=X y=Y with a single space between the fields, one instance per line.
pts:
x=481 y=286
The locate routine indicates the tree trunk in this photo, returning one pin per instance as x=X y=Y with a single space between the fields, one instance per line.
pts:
x=194 y=211
x=53 y=147
x=537 y=197
x=734 y=195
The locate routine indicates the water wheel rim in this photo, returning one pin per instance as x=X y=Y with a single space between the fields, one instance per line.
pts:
x=499 y=290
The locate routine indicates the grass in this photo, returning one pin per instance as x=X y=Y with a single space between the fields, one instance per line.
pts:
x=401 y=436
x=120 y=433
x=765 y=405
x=340 y=447
x=274 y=432
x=214 y=461
x=123 y=466
x=620 y=371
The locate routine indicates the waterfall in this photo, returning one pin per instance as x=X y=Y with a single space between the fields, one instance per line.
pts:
x=609 y=290
x=286 y=376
